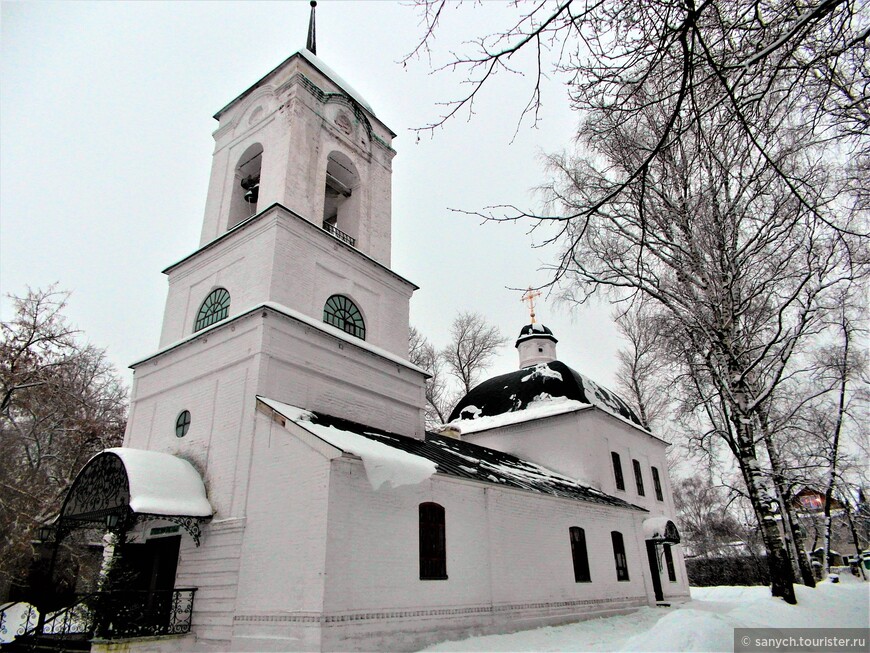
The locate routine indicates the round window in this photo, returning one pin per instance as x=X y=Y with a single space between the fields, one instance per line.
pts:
x=182 y=423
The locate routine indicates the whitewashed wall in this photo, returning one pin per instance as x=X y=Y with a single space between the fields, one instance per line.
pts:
x=280 y=258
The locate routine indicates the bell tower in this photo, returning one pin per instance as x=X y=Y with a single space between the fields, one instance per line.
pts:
x=289 y=295
x=303 y=138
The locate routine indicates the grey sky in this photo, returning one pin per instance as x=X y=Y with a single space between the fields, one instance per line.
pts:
x=105 y=148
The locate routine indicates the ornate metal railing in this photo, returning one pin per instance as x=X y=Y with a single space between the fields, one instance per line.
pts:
x=16 y=619
x=117 y=614
x=338 y=233
x=145 y=614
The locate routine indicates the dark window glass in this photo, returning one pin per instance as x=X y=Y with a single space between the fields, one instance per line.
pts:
x=638 y=478
x=340 y=312
x=579 y=555
x=669 y=563
x=657 y=484
x=182 y=423
x=619 y=555
x=433 y=542
x=213 y=309
x=617 y=471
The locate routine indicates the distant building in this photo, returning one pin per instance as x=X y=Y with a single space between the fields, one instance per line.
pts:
x=276 y=460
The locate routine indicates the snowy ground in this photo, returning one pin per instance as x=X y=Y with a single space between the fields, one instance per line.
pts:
x=706 y=623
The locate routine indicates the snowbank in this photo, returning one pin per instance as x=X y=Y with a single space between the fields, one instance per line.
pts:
x=706 y=623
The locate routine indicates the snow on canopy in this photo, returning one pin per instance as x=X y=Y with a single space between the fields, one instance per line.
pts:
x=163 y=484
x=384 y=465
x=521 y=390
x=660 y=528
x=148 y=482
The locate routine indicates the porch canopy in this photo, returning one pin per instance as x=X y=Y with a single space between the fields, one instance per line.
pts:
x=661 y=529
x=136 y=485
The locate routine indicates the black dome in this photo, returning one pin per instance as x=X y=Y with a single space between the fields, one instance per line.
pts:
x=535 y=330
x=514 y=391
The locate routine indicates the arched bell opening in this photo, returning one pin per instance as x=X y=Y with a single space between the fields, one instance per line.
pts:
x=341 y=201
x=246 y=185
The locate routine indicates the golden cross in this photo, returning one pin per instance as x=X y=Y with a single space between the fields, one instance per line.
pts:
x=529 y=297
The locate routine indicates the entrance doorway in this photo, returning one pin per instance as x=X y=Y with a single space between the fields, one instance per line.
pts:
x=653 y=557
x=143 y=598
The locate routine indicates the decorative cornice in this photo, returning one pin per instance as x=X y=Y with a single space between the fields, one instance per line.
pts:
x=319 y=618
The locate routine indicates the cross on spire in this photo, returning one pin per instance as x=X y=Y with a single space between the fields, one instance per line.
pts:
x=312 y=37
x=529 y=296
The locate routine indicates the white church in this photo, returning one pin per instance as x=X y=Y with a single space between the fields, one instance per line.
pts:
x=277 y=482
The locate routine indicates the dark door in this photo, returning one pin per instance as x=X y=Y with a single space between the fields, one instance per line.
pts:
x=652 y=555
x=148 y=584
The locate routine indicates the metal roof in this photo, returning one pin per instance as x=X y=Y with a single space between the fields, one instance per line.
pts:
x=465 y=460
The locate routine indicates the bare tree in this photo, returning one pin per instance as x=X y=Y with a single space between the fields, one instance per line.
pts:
x=810 y=56
x=455 y=369
x=62 y=402
x=639 y=375
x=473 y=344
x=440 y=398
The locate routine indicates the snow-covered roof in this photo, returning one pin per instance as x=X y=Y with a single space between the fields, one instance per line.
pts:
x=449 y=456
x=535 y=330
x=537 y=409
x=339 y=81
x=320 y=65
x=385 y=465
x=530 y=389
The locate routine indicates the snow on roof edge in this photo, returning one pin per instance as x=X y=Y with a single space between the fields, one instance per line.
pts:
x=519 y=416
x=300 y=317
x=384 y=465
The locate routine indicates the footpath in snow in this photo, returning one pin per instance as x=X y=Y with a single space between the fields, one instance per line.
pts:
x=706 y=623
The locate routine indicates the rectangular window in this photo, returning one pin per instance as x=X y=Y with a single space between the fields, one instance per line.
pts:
x=433 y=542
x=638 y=478
x=617 y=471
x=619 y=555
x=669 y=561
x=579 y=555
x=657 y=484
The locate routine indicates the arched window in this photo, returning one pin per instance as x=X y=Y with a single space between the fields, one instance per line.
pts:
x=579 y=555
x=657 y=484
x=433 y=542
x=617 y=471
x=246 y=185
x=619 y=555
x=340 y=312
x=214 y=309
x=638 y=478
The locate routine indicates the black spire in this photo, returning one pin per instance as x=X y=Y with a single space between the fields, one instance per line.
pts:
x=312 y=40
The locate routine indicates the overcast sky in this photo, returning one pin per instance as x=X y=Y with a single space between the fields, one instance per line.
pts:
x=105 y=148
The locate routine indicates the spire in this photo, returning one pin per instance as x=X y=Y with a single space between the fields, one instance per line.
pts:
x=312 y=37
